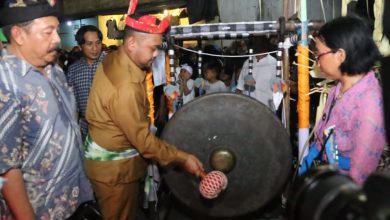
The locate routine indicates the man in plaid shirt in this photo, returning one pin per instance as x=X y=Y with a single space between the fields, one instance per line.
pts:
x=81 y=72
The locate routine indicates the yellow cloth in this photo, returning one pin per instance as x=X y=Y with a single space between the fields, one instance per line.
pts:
x=322 y=102
x=381 y=41
x=344 y=7
x=303 y=87
x=117 y=113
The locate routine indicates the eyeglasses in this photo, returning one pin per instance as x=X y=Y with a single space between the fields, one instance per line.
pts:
x=318 y=56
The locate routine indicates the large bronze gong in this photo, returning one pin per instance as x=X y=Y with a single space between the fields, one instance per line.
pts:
x=239 y=136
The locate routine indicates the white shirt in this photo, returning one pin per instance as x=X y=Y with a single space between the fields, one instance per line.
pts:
x=217 y=86
x=158 y=69
x=191 y=95
x=264 y=73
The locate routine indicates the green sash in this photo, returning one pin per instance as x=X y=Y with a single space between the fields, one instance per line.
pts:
x=94 y=152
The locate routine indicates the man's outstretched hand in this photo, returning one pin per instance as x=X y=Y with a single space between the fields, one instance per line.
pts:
x=194 y=166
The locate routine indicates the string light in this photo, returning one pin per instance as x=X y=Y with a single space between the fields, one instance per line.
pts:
x=218 y=55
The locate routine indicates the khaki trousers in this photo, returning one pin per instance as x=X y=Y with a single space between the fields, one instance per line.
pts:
x=117 y=201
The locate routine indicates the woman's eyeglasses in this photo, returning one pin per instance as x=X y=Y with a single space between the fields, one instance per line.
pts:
x=318 y=56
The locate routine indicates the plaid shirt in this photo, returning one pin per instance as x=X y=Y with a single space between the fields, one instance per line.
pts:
x=80 y=76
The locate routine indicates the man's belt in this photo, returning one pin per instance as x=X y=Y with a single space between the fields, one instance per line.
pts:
x=94 y=152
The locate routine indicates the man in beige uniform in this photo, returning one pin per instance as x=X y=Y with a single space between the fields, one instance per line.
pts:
x=119 y=139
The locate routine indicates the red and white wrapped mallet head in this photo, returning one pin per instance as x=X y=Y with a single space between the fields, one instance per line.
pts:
x=212 y=184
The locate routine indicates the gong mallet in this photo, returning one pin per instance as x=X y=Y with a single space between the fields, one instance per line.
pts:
x=212 y=184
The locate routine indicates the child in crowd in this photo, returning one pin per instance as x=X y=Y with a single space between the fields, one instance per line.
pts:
x=228 y=80
x=186 y=83
x=212 y=71
x=232 y=67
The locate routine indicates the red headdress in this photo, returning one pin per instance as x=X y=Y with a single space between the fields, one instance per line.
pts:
x=146 y=23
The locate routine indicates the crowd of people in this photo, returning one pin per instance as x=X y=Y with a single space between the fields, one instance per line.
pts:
x=65 y=57
x=48 y=171
x=226 y=74
x=51 y=102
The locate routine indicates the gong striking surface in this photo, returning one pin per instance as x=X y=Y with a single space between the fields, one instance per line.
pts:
x=250 y=133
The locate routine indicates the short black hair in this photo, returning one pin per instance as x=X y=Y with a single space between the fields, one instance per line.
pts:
x=128 y=31
x=79 y=37
x=354 y=36
x=259 y=44
x=213 y=65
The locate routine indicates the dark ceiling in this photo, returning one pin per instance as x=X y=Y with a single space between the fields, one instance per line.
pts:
x=78 y=9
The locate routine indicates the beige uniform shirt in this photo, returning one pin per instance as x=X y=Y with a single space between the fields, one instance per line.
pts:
x=117 y=113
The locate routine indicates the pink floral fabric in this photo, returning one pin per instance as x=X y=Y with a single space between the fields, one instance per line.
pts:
x=359 y=125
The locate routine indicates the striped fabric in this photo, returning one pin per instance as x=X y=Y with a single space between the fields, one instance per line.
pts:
x=279 y=58
x=250 y=64
x=178 y=102
x=224 y=30
x=200 y=63
x=172 y=75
